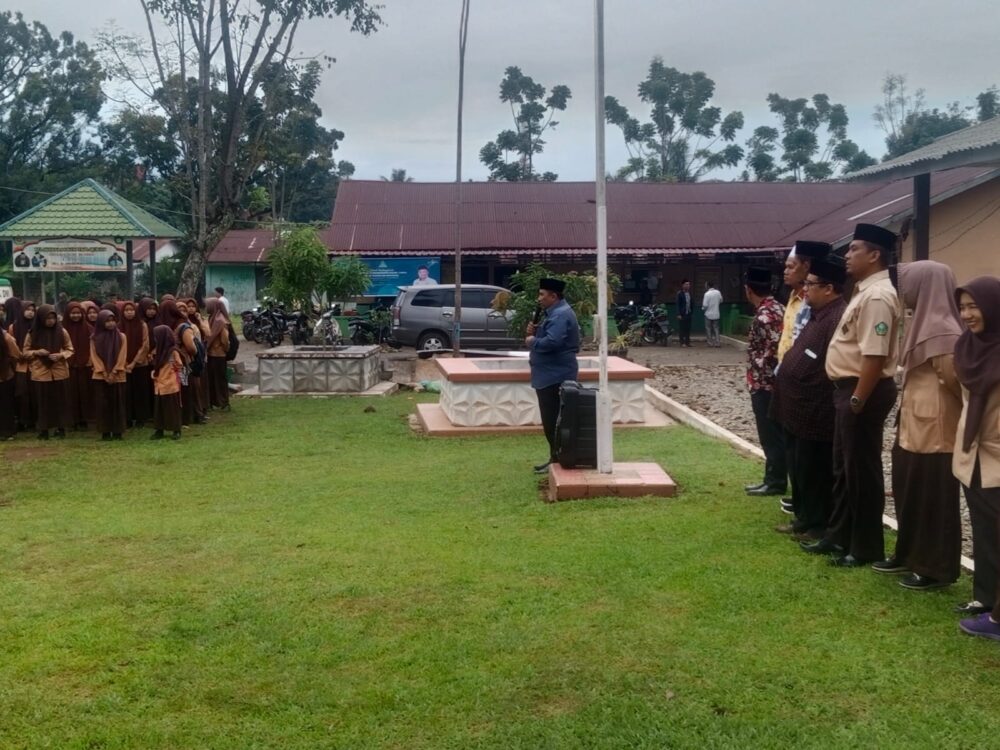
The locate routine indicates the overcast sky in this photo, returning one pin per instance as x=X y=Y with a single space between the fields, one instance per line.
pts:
x=394 y=93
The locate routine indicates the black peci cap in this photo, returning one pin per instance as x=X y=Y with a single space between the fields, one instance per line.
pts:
x=758 y=275
x=552 y=285
x=877 y=236
x=811 y=250
x=831 y=269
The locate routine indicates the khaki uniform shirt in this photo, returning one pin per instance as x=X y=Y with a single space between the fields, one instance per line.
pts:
x=930 y=407
x=166 y=380
x=869 y=327
x=13 y=356
x=117 y=374
x=788 y=330
x=43 y=369
x=986 y=447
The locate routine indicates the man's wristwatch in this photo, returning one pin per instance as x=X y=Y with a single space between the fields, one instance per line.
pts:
x=856 y=402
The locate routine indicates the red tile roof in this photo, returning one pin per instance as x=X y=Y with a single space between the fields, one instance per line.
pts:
x=243 y=246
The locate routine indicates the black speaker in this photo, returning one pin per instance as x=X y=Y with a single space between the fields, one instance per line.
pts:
x=576 y=429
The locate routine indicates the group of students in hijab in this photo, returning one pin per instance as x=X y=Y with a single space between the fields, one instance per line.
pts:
x=831 y=388
x=117 y=366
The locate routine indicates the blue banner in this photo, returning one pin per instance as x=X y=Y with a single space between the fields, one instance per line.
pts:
x=388 y=274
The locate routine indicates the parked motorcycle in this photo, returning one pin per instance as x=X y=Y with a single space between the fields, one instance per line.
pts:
x=654 y=324
x=251 y=323
x=328 y=327
x=277 y=323
x=373 y=327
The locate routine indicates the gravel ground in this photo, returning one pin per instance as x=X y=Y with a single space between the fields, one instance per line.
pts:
x=712 y=382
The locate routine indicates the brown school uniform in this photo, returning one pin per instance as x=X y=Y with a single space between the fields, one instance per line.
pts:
x=138 y=407
x=49 y=381
x=217 y=380
x=167 y=390
x=8 y=405
x=109 y=390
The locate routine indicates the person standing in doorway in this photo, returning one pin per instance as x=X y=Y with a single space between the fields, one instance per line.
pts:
x=221 y=293
x=762 y=354
x=553 y=346
x=684 y=313
x=711 y=304
x=861 y=362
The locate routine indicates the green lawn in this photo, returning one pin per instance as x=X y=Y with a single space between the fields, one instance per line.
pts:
x=303 y=574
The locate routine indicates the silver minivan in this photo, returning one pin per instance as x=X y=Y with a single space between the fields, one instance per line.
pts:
x=423 y=316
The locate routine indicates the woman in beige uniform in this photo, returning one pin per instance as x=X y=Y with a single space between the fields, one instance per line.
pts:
x=217 y=345
x=977 y=447
x=10 y=354
x=48 y=349
x=108 y=356
x=929 y=541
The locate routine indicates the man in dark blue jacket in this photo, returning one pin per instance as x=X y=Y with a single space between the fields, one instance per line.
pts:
x=554 y=344
x=684 y=313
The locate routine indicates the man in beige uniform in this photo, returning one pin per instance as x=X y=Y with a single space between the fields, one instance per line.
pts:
x=861 y=362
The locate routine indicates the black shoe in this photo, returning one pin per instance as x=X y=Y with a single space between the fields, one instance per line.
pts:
x=176 y=436
x=847 y=561
x=757 y=486
x=43 y=435
x=105 y=436
x=971 y=609
x=158 y=435
x=822 y=547
x=786 y=506
x=765 y=491
x=808 y=536
x=60 y=433
x=116 y=436
x=890 y=565
x=917 y=582
x=542 y=468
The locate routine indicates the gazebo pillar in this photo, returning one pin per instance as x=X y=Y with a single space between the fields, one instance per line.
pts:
x=129 y=270
x=152 y=269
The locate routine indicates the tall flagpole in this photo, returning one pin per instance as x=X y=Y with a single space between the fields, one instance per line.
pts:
x=605 y=459
x=456 y=328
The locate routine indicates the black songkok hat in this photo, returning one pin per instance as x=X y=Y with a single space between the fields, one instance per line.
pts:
x=552 y=285
x=811 y=250
x=758 y=275
x=877 y=236
x=832 y=269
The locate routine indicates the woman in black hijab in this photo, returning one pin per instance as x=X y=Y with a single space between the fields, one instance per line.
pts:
x=48 y=349
x=976 y=460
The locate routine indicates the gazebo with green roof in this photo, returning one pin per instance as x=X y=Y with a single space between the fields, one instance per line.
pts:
x=84 y=228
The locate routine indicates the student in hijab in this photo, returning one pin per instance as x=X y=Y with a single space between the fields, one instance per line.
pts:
x=165 y=374
x=929 y=541
x=10 y=355
x=22 y=317
x=217 y=345
x=977 y=448
x=149 y=311
x=173 y=316
x=199 y=383
x=91 y=309
x=108 y=349
x=137 y=406
x=49 y=349
x=81 y=372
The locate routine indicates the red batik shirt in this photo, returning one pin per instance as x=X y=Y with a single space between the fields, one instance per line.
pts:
x=762 y=352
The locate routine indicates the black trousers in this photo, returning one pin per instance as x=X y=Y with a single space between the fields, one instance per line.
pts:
x=684 y=332
x=929 y=541
x=548 y=406
x=772 y=441
x=8 y=409
x=984 y=513
x=811 y=472
x=858 y=483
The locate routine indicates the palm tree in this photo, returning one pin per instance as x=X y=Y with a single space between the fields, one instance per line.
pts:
x=398 y=175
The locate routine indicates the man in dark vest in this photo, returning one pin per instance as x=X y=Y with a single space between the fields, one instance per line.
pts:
x=554 y=344
x=684 y=313
x=802 y=401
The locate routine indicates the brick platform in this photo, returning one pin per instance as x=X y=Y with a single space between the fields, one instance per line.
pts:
x=626 y=480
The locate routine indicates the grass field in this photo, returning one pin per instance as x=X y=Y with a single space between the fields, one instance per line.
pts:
x=303 y=574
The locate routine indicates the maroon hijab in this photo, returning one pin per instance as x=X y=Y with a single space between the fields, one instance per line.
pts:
x=80 y=333
x=132 y=329
x=170 y=315
x=977 y=355
x=165 y=345
x=107 y=343
x=145 y=304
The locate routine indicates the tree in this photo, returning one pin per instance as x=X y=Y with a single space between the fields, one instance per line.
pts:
x=803 y=156
x=906 y=121
x=511 y=157
x=348 y=277
x=50 y=93
x=397 y=175
x=298 y=267
x=685 y=137
x=988 y=103
x=220 y=72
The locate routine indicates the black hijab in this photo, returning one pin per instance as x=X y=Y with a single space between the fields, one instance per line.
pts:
x=107 y=343
x=165 y=345
x=43 y=337
x=977 y=355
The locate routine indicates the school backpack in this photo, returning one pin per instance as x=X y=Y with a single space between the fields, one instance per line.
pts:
x=197 y=364
x=234 y=344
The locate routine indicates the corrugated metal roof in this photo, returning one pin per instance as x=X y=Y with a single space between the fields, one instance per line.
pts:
x=381 y=216
x=977 y=144
x=243 y=246
x=87 y=210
